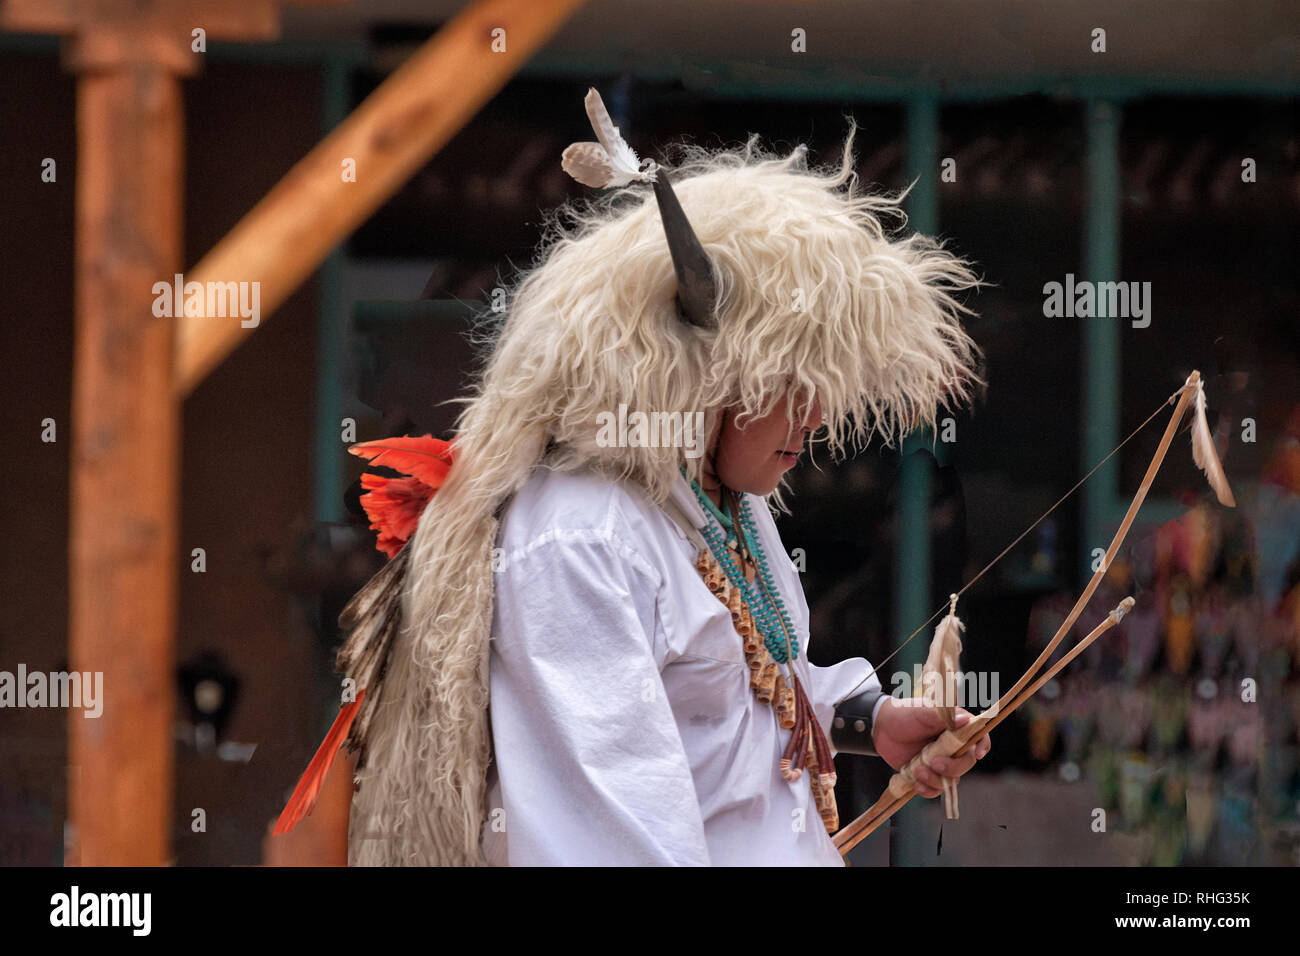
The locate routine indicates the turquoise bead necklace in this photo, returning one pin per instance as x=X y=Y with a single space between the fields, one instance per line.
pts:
x=761 y=595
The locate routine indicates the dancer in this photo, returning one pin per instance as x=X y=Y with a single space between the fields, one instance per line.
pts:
x=590 y=645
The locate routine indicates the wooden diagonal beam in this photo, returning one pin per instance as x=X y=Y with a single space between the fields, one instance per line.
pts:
x=389 y=137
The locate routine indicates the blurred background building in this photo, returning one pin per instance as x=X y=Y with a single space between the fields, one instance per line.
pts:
x=1171 y=158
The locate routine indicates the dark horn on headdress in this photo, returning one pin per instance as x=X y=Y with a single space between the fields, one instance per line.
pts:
x=696 y=287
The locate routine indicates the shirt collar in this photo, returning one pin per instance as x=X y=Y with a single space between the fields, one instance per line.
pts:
x=684 y=498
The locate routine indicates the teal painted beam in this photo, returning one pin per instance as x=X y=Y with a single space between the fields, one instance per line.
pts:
x=280 y=53
x=1101 y=383
x=913 y=584
x=755 y=79
x=348 y=53
x=327 y=444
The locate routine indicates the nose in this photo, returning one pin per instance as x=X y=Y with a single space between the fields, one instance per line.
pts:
x=813 y=420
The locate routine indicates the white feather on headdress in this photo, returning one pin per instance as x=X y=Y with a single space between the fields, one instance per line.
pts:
x=1205 y=455
x=609 y=163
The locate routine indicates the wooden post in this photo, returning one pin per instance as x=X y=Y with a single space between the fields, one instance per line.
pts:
x=123 y=562
x=322 y=838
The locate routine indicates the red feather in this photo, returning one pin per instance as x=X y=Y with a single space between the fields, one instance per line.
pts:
x=426 y=457
x=303 y=801
x=394 y=505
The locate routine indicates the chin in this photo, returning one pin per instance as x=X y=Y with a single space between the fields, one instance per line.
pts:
x=762 y=481
x=764 y=486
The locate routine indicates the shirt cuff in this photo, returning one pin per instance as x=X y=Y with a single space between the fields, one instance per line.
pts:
x=876 y=710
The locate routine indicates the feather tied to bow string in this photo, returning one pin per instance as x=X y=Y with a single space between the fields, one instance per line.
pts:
x=373 y=616
x=957 y=742
x=1205 y=455
x=939 y=685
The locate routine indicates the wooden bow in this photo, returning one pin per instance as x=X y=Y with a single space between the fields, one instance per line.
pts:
x=959 y=741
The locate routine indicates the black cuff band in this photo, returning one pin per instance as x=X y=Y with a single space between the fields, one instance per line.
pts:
x=851 y=726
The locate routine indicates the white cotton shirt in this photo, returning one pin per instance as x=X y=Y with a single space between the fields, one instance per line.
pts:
x=624 y=728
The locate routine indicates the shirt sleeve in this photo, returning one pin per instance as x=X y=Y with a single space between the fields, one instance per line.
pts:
x=830 y=685
x=590 y=762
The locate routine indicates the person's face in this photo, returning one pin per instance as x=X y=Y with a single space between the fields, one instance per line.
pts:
x=753 y=458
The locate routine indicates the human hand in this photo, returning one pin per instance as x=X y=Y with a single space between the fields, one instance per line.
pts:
x=901 y=730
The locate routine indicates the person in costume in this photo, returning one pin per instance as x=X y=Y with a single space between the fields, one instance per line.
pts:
x=590 y=646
